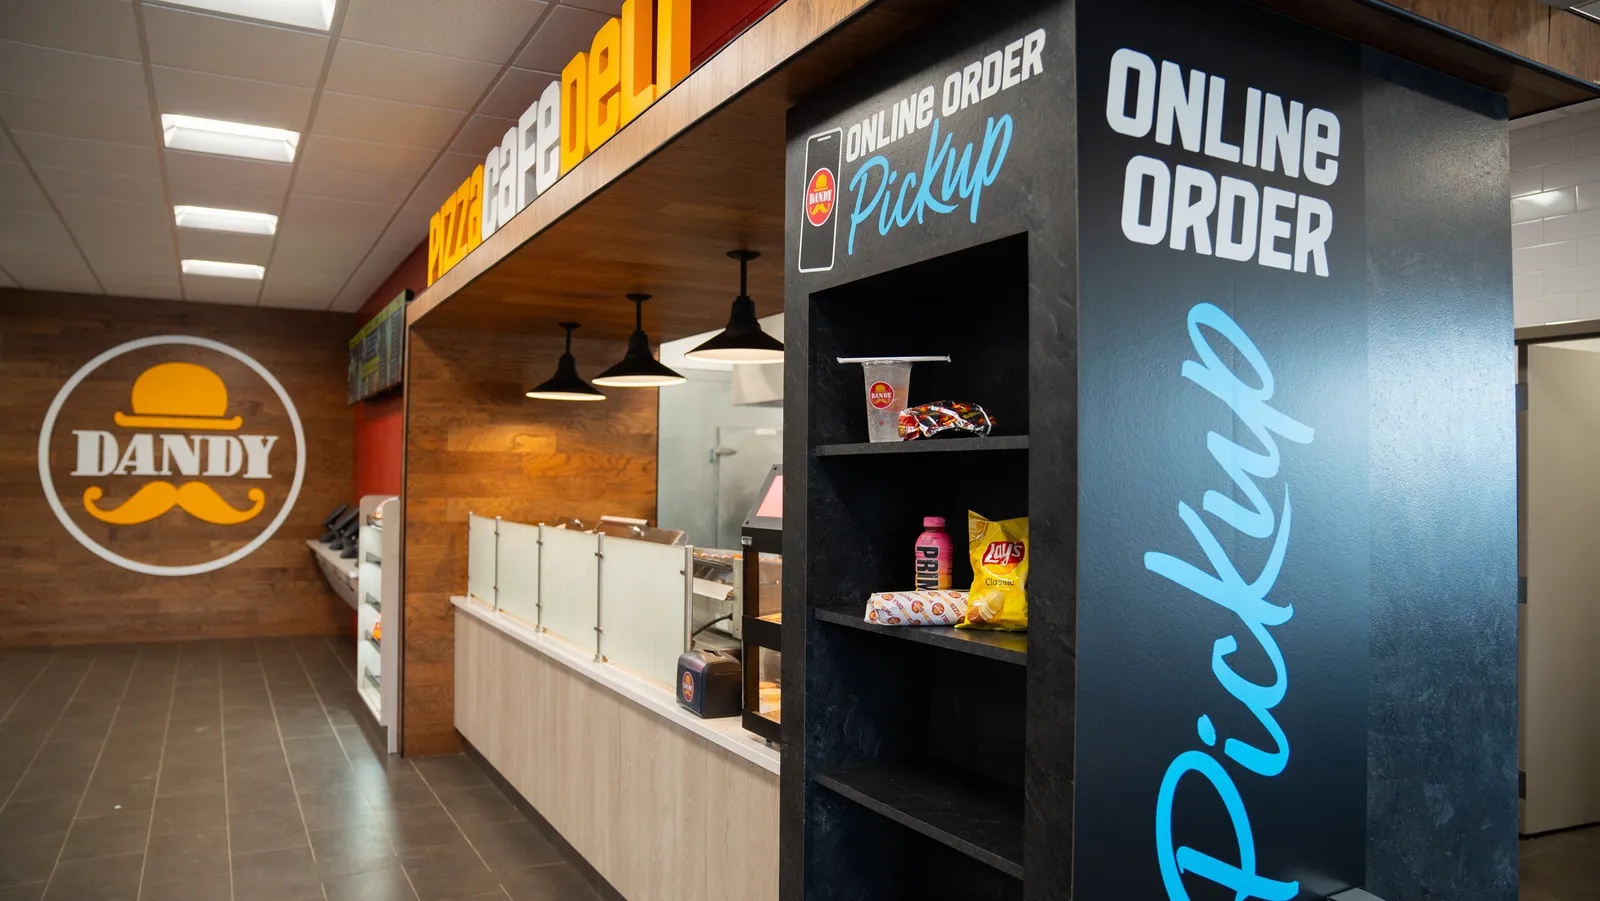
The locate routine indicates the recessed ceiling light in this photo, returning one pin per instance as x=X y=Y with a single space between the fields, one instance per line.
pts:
x=316 y=14
x=229 y=138
x=224 y=270
x=240 y=221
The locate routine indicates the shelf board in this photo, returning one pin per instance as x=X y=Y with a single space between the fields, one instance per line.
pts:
x=924 y=446
x=376 y=645
x=373 y=603
x=1006 y=647
x=967 y=813
x=372 y=680
x=374 y=559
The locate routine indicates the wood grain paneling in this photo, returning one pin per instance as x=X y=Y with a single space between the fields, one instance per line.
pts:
x=475 y=444
x=1574 y=45
x=57 y=591
x=661 y=813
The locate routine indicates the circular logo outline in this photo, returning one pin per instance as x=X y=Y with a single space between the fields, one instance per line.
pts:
x=152 y=569
x=877 y=388
x=833 y=185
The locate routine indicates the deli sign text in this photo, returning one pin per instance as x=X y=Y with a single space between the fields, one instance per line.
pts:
x=633 y=60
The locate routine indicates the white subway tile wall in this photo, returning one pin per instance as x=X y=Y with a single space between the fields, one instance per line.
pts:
x=1555 y=216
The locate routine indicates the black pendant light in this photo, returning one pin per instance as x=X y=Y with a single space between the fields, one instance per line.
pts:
x=639 y=368
x=742 y=341
x=565 y=384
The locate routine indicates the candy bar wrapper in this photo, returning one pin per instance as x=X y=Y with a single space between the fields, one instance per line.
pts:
x=917 y=608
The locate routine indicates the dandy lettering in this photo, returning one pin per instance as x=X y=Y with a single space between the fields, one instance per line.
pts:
x=1221 y=583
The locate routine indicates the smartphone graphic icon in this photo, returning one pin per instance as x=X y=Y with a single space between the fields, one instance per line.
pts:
x=824 y=154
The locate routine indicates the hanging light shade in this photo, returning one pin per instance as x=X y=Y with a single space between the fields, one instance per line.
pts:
x=742 y=340
x=565 y=384
x=639 y=367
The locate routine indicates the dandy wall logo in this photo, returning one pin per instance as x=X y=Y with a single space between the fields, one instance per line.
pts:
x=172 y=455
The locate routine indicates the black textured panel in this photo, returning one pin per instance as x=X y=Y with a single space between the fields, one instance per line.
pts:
x=1443 y=730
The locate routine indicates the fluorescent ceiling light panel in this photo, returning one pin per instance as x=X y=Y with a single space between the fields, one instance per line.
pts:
x=229 y=138
x=224 y=270
x=245 y=223
x=315 y=14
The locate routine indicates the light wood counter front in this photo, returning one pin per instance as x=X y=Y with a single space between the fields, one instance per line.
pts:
x=663 y=812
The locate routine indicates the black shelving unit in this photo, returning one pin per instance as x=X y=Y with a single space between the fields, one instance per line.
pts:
x=925 y=446
x=759 y=535
x=1007 y=647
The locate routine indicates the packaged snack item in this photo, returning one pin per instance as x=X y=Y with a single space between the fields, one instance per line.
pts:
x=946 y=415
x=916 y=608
x=999 y=552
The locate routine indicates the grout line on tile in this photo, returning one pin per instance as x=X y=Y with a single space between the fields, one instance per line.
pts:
x=306 y=827
x=161 y=764
x=126 y=683
x=39 y=750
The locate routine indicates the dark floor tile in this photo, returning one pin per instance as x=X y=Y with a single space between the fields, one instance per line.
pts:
x=44 y=781
x=106 y=795
x=128 y=766
x=189 y=780
x=511 y=846
x=270 y=829
x=343 y=807
x=55 y=754
x=123 y=832
x=28 y=856
x=53 y=814
x=352 y=849
x=395 y=791
x=210 y=887
x=451 y=772
x=190 y=813
x=318 y=776
x=385 y=884
x=305 y=727
x=448 y=872
x=483 y=804
x=287 y=875
x=101 y=879
x=33 y=891
x=256 y=794
x=559 y=882
x=181 y=856
x=312 y=750
x=421 y=827
x=251 y=735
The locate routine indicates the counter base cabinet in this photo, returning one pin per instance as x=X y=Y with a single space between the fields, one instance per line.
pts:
x=661 y=814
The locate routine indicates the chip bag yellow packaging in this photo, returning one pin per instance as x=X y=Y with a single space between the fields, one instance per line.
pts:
x=999 y=551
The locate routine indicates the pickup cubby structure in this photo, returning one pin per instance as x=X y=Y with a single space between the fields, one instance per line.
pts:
x=1015 y=186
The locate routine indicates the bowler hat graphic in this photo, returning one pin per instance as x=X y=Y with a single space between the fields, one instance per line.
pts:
x=179 y=396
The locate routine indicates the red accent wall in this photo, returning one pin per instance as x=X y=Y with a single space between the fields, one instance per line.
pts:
x=714 y=23
x=380 y=423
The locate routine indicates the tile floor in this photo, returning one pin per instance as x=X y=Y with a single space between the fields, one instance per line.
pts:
x=239 y=771
x=1564 y=866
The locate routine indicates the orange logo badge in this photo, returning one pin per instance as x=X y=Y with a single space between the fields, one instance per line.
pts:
x=880 y=395
x=819 y=197
x=115 y=462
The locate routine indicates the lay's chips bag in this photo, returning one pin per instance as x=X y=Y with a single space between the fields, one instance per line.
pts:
x=999 y=597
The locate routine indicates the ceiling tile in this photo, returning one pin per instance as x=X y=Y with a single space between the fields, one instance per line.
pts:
x=98 y=156
x=407 y=76
x=226 y=171
x=89 y=183
x=156 y=288
x=25 y=230
x=195 y=244
x=565 y=32
x=226 y=197
x=59 y=74
x=232 y=99
x=301 y=289
x=331 y=211
x=206 y=43
x=53 y=270
x=288 y=300
x=385 y=122
x=19 y=191
x=68 y=119
x=361 y=186
x=7 y=281
x=609 y=7
x=110 y=225
x=516 y=90
x=388 y=160
x=486 y=30
x=103 y=27
x=234 y=291
x=154 y=267
x=8 y=153
x=383 y=259
x=480 y=134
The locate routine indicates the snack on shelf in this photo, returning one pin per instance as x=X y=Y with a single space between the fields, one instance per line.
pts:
x=999 y=551
x=931 y=607
x=945 y=415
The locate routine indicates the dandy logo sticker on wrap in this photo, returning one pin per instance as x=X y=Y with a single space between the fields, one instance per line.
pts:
x=169 y=455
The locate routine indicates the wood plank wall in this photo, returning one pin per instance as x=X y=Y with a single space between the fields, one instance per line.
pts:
x=58 y=592
x=474 y=444
x=1529 y=28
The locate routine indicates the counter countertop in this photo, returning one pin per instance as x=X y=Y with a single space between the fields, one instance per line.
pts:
x=725 y=732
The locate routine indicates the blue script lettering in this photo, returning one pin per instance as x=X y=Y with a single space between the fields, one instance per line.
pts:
x=1246 y=600
x=964 y=178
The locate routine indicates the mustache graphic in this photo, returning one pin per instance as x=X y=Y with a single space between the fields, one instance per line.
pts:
x=196 y=498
